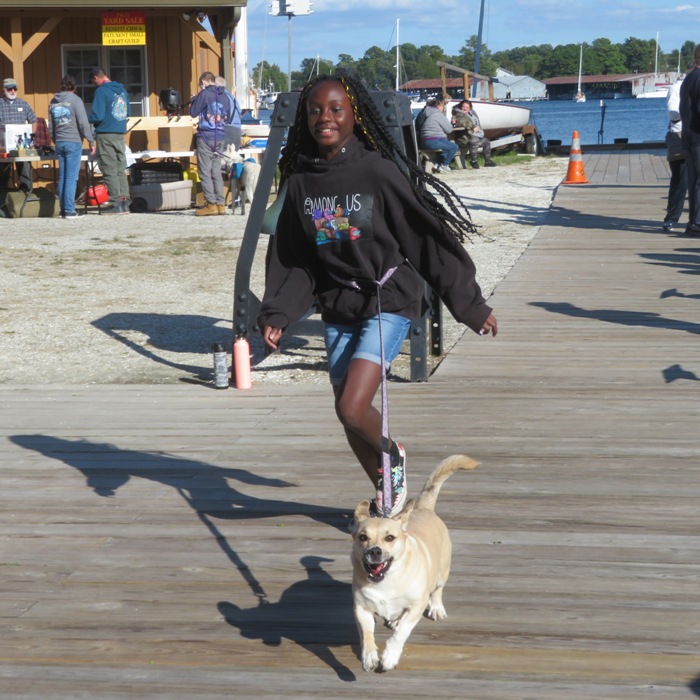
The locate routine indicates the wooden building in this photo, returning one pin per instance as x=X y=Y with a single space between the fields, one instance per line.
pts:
x=148 y=46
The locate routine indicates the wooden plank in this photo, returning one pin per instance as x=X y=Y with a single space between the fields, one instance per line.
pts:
x=170 y=541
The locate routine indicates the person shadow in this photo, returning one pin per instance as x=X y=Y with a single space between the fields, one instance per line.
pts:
x=315 y=613
x=205 y=488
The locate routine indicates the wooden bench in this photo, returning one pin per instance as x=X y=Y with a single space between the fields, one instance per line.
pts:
x=429 y=158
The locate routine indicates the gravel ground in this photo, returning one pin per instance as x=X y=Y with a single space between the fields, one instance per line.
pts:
x=140 y=298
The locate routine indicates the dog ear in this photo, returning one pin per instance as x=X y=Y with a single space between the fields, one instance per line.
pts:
x=403 y=516
x=362 y=511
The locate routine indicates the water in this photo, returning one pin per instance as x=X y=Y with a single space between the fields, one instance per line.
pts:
x=635 y=120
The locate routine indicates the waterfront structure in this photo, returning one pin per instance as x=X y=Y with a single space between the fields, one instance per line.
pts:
x=507 y=87
x=606 y=87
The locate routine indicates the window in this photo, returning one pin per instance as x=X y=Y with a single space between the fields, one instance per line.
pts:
x=126 y=65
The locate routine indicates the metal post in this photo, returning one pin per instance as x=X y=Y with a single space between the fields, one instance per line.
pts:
x=289 y=53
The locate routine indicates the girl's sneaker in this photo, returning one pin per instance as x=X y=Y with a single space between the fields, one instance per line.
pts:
x=398 y=485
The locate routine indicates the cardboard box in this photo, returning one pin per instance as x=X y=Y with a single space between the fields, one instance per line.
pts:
x=175 y=139
x=142 y=140
x=10 y=133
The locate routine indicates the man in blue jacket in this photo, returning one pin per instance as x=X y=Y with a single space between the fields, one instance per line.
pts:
x=214 y=110
x=110 y=111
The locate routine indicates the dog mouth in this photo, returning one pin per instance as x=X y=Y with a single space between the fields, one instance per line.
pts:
x=376 y=571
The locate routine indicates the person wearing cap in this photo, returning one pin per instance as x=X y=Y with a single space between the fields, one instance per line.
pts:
x=14 y=110
x=110 y=111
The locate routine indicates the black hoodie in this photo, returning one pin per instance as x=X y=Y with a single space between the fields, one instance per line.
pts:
x=346 y=222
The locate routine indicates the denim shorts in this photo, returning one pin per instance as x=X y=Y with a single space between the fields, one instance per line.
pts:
x=360 y=341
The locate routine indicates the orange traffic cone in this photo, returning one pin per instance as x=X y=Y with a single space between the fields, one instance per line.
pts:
x=575 y=175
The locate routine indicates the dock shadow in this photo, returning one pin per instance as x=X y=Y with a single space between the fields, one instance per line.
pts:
x=152 y=334
x=522 y=214
x=685 y=260
x=205 y=488
x=676 y=372
x=564 y=217
x=173 y=333
x=675 y=293
x=314 y=613
x=619 y=316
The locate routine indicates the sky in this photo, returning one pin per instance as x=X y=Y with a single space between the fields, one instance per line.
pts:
x=352 y=26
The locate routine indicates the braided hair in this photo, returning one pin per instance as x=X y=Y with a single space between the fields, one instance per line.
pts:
x=453 y=217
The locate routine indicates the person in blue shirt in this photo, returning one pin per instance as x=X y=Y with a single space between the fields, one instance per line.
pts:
x=233 y=130
x=214 y=108
x=110 y=111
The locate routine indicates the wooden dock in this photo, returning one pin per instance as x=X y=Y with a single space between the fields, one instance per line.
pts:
x=182 y=543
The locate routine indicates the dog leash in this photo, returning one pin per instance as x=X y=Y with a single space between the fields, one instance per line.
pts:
x=387 y=482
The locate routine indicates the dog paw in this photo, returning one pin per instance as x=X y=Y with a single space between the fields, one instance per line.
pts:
x=437 y=612
x=390 y=658
x=370 y=660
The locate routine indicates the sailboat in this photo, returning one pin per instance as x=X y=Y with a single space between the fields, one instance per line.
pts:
x=580 y=96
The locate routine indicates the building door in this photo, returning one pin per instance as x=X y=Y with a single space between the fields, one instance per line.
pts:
x=126 y=65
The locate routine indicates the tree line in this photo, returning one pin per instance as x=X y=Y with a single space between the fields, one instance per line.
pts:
x=378 y=67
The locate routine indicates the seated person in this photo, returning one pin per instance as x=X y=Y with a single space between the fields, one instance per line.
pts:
x=464 y=117
x=435 y=129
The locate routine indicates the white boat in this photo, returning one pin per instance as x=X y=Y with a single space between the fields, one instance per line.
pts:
x=580 y=97
x=497 y=118
x=660 y=89
x=658 y=93
x=267 y=100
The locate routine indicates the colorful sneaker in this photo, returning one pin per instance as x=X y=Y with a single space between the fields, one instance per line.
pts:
x=398 y=484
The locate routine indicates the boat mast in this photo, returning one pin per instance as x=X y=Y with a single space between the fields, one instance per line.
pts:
x=398 y=56
x=656 y=59
x=477 y=57
x=580 y=66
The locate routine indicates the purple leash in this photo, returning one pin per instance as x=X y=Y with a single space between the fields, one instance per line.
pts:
x=387 y=481
x=387 y=485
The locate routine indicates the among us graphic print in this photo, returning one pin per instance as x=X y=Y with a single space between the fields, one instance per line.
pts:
x=340 y=217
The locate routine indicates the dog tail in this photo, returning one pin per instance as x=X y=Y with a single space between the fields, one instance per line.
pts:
x=428 y=495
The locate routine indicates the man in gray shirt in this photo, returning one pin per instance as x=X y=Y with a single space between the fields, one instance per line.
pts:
x=434 y=132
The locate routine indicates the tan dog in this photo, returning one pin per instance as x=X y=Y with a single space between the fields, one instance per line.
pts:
x=400 y=566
